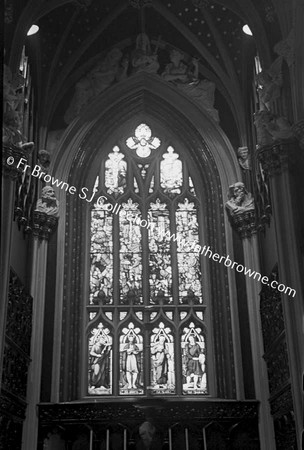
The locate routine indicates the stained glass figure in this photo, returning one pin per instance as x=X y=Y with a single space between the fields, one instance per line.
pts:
x=130 y=253
x=131 y=361
x=193 y=360
x=171 y=172
x=100 y=361
x=143 y=142
x=115 y=172
x=162 y=361
x=188 y=254
x=160 y=277
x=101 y=273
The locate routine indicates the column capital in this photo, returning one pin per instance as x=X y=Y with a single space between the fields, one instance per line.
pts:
x=244 y=223
x=277 y=157
x=11 y=155
x=43 y=225
x=241 y=210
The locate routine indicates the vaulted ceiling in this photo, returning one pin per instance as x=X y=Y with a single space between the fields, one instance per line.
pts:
x=75 y=33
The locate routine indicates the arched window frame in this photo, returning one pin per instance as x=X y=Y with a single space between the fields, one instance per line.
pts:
x=192 y=307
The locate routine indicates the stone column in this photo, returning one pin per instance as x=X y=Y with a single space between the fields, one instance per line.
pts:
x=242 y=216
x=10 y=156
x=277 y=161
x=43 y=226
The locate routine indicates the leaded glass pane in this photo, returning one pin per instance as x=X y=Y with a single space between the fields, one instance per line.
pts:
x=136 y=188
x=171 y=172
x=193 y=360
x=143 y=169
x=191 y=187
x=160 y=277
x=139 y=314
x=131 y=361
x=200 y=315
x=151 y=188
x=143 y=141
x=183 y=314
x=130 y=253
x=101 y=273
x=188 y=251
x=115 y=172
x=162 y=361
x=100 y=361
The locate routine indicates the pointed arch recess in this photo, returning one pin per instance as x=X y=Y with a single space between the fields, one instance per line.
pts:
x=143 y=98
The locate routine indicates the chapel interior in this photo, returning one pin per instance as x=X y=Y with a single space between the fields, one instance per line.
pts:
x=152 y=225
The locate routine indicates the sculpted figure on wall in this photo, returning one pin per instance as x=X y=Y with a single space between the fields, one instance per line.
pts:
x=243 y=158
x=271 y=128
x=270 y=83
x=11 y=84
x=185 y=78
x=93 y=83
x=44 y=159
x=54 y=440
x=48 y=202
x=286 y=48
x=147 y=436
x=143 y=59
x=11 y=134
x=239 y=199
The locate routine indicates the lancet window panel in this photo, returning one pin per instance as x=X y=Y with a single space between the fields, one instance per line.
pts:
x=145 y=273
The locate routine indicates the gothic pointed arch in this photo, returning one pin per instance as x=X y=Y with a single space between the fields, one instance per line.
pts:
x=210 y=164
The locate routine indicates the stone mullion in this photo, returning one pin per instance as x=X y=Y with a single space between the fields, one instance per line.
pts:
x=146 y=300
x=116 y=299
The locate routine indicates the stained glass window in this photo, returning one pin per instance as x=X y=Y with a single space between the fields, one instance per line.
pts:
x=146 y=329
